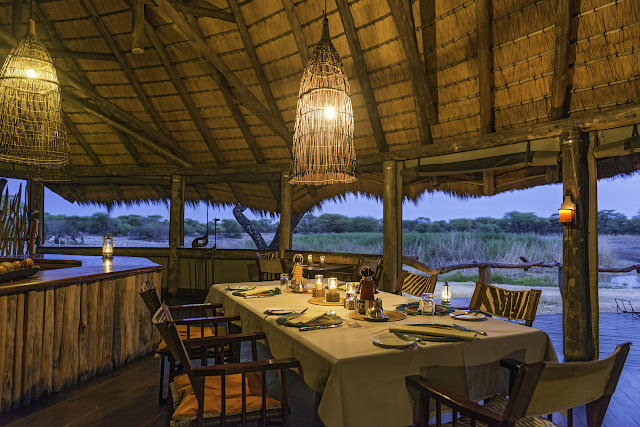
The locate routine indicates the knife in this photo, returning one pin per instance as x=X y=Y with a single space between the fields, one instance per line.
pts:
x=313 y=328
x=470 y=330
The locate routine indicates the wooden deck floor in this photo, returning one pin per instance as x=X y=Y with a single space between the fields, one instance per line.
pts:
x=127 y=396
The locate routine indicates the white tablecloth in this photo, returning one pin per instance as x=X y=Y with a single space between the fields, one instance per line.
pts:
x=363 y=384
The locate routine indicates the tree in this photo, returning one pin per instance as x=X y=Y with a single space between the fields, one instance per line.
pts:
x=330 y=223
x=231 y=229
x=101 y=223
x=611 y=222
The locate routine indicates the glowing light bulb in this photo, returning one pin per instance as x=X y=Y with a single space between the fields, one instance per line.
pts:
x=31 y=73
x=330 y=113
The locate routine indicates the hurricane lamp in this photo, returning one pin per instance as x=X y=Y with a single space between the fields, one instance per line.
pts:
x=107 y=246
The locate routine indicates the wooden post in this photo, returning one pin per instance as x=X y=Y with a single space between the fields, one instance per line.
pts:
x=176 y=231
x=137 y=35
x=286 y=214
x=35 y=202
x=484 y=275
x=579 y=252
x=389 y=225
x=593 y=243
x=399 y=199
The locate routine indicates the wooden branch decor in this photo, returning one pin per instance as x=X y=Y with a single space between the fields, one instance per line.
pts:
x=323 y=147
x=13 y=223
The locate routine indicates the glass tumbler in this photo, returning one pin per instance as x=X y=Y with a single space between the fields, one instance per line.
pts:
x=350 y=306
x=427 y=304
x=284 y=281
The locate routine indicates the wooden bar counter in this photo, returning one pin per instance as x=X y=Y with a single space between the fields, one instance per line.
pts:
x=77 y=317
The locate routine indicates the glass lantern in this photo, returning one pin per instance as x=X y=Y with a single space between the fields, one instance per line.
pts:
x=107 y=246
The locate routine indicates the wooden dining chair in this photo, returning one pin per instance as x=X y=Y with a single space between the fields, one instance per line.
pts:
x=201 y=320
x=540 y=389
x=222 y=393
x=270 y=269
x=415 y=284
x=499 y=302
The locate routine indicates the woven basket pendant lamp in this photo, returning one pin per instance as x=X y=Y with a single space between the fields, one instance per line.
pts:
x=323 y=148
x=31 y=128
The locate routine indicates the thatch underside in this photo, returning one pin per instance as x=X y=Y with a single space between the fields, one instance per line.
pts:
x=169 y=107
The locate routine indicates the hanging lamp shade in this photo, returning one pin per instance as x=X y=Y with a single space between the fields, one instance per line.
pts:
x=323 y=147
x=31 y=128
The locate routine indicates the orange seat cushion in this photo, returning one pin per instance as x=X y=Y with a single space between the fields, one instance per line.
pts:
x=195 y=332
x=188 y=406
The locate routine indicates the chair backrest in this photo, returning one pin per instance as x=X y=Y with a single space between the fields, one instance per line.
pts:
x=169 y=332
x=547 y=387
x=150 y=297
x=415 y=284
x=267 y=255
x=514 y=305
x=374 y=264
x=270 y=269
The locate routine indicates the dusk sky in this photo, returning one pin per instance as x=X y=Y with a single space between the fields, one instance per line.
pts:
x=620 y=194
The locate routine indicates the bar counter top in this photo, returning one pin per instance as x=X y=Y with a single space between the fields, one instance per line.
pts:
x=60 y=270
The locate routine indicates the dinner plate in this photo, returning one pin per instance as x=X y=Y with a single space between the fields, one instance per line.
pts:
x=391 y=340
x=279 y=311
x=240 y=288
x=471 y=317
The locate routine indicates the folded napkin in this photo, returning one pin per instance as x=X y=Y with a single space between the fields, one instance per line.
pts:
x=308 y=317
x=434 y=331
x=257 y=291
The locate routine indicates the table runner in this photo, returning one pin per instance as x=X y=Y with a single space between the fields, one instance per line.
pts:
x=362 y=384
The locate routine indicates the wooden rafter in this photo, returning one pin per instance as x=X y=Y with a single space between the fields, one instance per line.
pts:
x=202 y=193
x=171 y=155
x=185 y=96
x=131 y=148
x=239 y=88
x=255 y=61
x=296 y=28
x=427 y=19
x=363 y=74
x=106 y=36
x=485 y=66
x=82 y=141
x=200 y=8
x=562 y=75
x=425 y=107
x=74 y=54
x=137 y=24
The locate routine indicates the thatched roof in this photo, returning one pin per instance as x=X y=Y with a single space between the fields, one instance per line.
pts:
x=214 y=97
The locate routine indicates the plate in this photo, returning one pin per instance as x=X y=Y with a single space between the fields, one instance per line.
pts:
x=279 y=311
x=391 y=340
x=471 y=317
x=239 y=288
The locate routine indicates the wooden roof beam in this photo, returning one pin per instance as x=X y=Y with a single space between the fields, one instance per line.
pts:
x=425 y=107
x=239 y=88
x=486 y=77
x=255 y=61
x=201 y=192
x=171 y=155
x=116 y=189
x=106 y=36
x=562 y=74
x=363 y=74
x=429 y=44
x=73 y=54
x=296 y=28
x=131 y=148
x=82 y=141
x=199 y=8
x=185 y=96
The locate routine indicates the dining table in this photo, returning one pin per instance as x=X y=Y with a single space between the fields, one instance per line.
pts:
x=363 y=384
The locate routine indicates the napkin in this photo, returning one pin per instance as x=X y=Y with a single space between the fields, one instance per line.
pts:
x=257 y=291
x=308 y=317
x=433 y=330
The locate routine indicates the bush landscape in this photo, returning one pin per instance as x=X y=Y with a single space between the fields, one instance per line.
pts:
x=436 y=243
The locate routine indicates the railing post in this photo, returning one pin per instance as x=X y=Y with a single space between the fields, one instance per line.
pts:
x=484 y=275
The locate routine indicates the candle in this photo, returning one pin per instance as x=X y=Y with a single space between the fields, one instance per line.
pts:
x=332 y=293
x=321 y=259
x=318 y=282
x=567 y=216
x=310 y=258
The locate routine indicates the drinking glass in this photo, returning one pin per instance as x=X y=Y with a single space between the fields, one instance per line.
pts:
x=284 y=282
x=428 y=304
x=350 y=306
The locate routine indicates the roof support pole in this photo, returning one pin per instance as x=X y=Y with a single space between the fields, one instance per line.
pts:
x=176 y=231
x=564 y=58
x=580 y=251
x=35 y=202
x=286 y=214
x=390 y=214
x=399 y=199
x=485 y=66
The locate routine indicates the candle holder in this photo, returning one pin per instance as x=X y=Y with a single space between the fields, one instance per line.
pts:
x=332 y=293
x=321 y=259
x=319 y=289
x=310 y=259
x=107 y=246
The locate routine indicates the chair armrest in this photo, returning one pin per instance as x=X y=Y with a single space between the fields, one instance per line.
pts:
x=245 y=367
x=201 y=320
x=458 y=403
x=513 y=366
x=178 y=308
x=223 y=339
